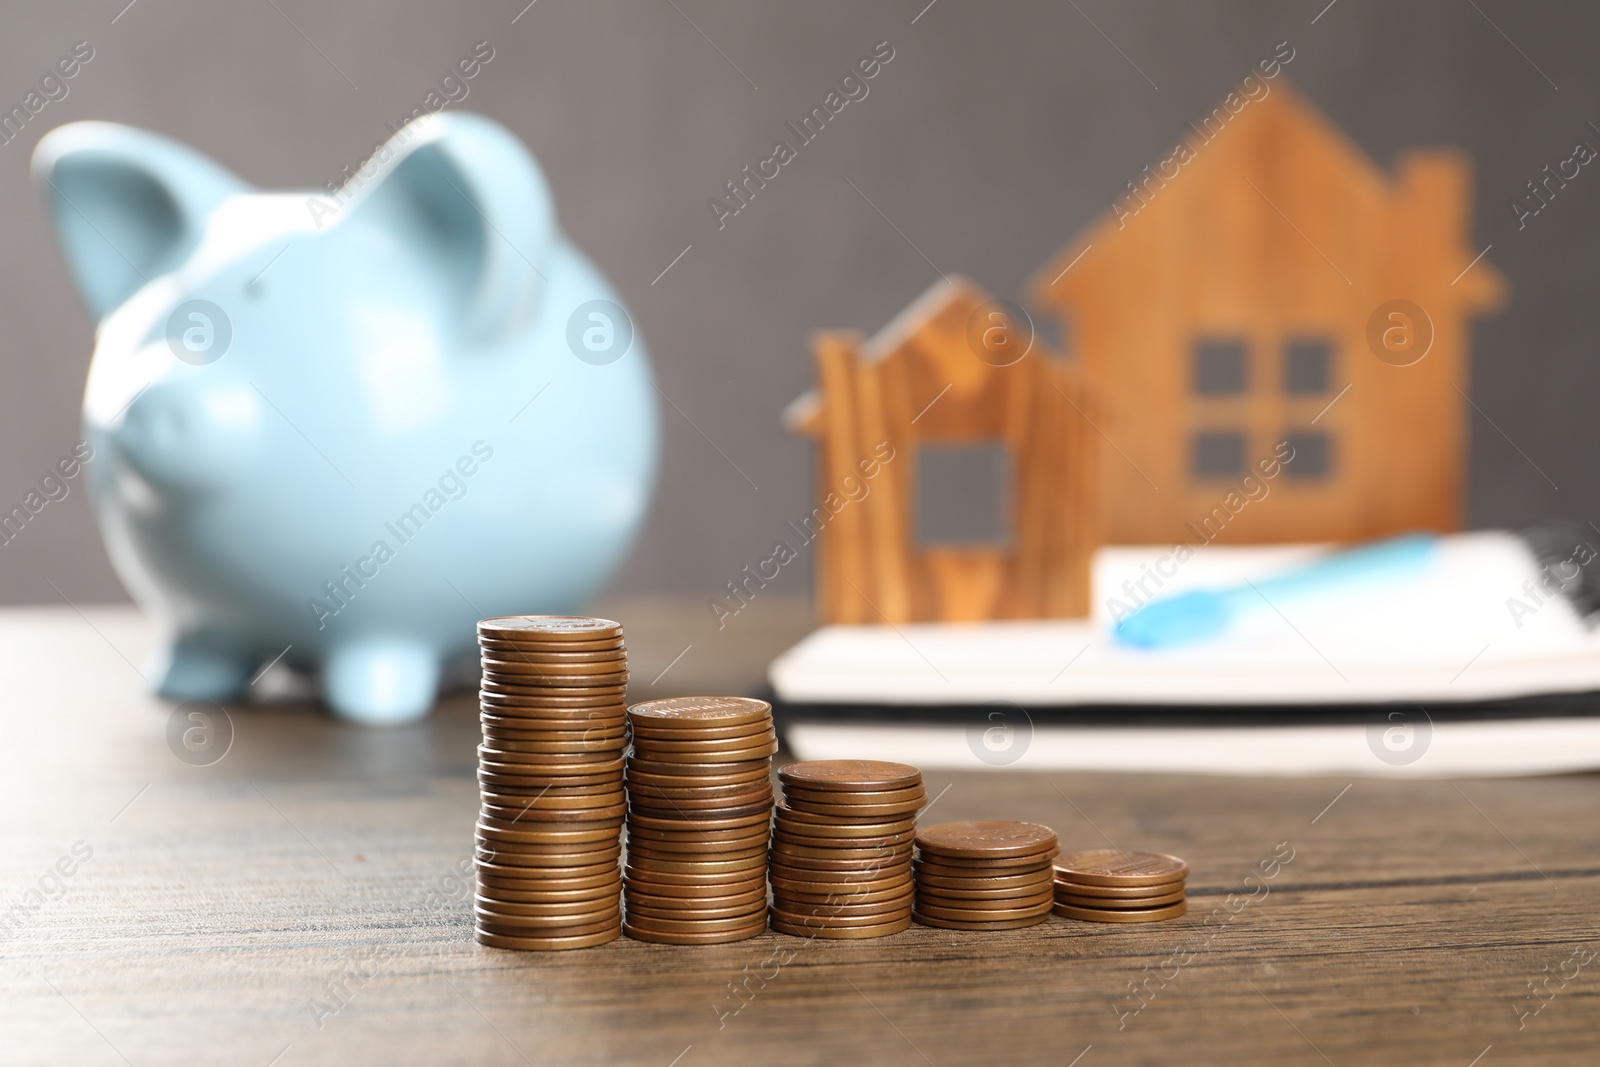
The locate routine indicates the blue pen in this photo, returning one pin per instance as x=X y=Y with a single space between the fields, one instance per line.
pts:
x=1200 y=614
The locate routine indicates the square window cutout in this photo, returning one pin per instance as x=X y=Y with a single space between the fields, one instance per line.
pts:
x=1219 y=367
x=1312 y=456
x=963 y=494
x=1217 y=454
x=1308 y=366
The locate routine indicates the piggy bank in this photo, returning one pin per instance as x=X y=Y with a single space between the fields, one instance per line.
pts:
x=337 y=427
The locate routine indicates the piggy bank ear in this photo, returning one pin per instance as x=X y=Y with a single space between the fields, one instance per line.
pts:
x=466 y=196
x=128 y=206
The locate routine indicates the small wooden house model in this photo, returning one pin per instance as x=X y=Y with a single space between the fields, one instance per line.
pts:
x=952 y=371
x=1265 y=313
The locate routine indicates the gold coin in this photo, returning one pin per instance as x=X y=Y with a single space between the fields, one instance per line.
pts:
x=688 y=925
x=508 y=700
x=999 y=884
x=518 y=646
x=538 y=817
x=590 y=762
x=526 y=915
x=979 y=896
x=835 y=881
x=568 y=724
x=651 y=806
x=850 y=775
x=644 y=743
x=957 y=869
x=648 y=731
x=860 y=812
x=552 y=832
x=680 y=885
x=1107 y=866
x=502 y=750
x=736 y=771
x=933 y=901
x=703 y=792
x=548 y=628
x=640 y=850
x=834 y=844
x=541 y=878
x=852 y=799
x=999 y=924
x=695 y=874
x=553 y=802
x=639 y=894
x=644 y=934
x=1119 y=903
x=547 y=944
x=534 y=785
x=562 y=684
x=581 y=907
x=546 y=881
x=640 y=821
x=696 y=848
x=848 y=933
x=845 y=918
x=551 y=896
x=1121 y=915
x=701 y=867
x=939 y=910
x=514 y=664
x=706 y=757
x=692 y=834
x=893 y=891
x=694 y=712
x=557 y=642
x=987 y=839
x=778 y=868
x=590 y=726
x=502 y=653
x=512 y=929
x=839 y=850
x=817 y=826
x=793 y=906
x=506 y=857
x=1118 y=892
x=648 y=914
x=875 y=860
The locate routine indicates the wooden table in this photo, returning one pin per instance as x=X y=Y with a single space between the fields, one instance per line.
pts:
x=300 y=902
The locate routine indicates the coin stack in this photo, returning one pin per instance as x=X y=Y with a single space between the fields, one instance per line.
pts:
x=699 y=819
x=1104 y=885
x=550 y=771
x=986 y=874
x=841 y=848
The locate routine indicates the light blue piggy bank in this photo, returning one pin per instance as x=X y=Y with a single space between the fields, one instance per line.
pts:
x=349 y=424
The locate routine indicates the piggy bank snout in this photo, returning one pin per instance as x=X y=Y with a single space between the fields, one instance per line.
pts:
x=177 y=435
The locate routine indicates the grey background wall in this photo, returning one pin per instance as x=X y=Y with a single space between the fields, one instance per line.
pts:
x=997 y=131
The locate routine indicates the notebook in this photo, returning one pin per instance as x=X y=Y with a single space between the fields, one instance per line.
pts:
x=1468 y=645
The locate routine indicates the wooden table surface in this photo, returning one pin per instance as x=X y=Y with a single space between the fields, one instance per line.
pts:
x=299 y=902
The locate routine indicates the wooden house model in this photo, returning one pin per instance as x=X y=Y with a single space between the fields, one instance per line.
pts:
x=1265 y=343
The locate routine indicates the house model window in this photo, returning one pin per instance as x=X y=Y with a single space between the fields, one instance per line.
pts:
x=963 y=494
x=1212 y=330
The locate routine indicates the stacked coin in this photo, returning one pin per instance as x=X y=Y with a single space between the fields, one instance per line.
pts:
x=841 y=848
x=550 y=771
x=1106 y=886
x=699 y=818
x=985 y=874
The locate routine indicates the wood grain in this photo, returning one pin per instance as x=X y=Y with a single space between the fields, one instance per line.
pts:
x=921 y=381
x=219 y=902
x=1278 y=228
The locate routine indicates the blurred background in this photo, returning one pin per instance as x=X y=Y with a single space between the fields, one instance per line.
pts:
x=993 y=136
